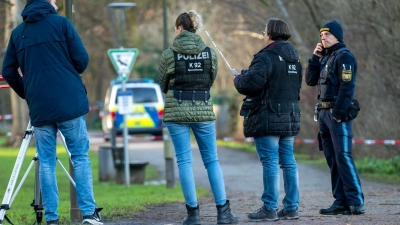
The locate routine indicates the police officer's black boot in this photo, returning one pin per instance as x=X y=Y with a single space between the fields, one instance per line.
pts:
x=224 y=214
x=193 y=217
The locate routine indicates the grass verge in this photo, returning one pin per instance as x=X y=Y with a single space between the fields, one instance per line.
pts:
x=118 y=201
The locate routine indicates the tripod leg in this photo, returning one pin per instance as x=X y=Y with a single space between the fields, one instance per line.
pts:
x=65 y=145
x=69 y=156
x=37 y=199
x=6 y=203
x=23 y=179
x=97 y=210
x=66 y=172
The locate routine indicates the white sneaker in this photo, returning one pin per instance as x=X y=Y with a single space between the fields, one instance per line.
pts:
x=92 y=219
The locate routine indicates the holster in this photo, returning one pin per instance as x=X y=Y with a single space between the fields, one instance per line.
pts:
x=248 y=105
x=319 y=138
x=319 y=141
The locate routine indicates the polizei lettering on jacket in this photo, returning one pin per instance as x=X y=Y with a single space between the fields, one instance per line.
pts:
x=194 y=63
x=201 y=55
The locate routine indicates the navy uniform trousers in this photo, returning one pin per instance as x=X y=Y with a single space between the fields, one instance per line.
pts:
x=337 y=146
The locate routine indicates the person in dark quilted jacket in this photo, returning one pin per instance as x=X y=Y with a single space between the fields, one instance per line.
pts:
x=187 y=72
x=272 y=116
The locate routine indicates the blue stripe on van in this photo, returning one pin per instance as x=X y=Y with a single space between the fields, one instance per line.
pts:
x=153 y=113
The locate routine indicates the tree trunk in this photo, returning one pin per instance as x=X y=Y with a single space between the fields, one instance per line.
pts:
x=297 y=40
x=19 y=107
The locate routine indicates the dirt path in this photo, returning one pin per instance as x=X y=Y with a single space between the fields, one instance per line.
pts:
x=243 y=181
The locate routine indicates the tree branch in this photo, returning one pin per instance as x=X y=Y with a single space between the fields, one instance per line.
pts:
x=7 y=2
x=248 y=33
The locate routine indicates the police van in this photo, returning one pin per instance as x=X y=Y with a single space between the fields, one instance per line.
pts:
x=147 y=112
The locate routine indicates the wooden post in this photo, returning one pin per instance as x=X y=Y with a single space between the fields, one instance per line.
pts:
x=169 y=159
x=75 y=212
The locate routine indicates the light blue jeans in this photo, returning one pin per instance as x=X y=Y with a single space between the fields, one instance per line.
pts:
x=274 y=150
x=204 y=133
x=77 y=141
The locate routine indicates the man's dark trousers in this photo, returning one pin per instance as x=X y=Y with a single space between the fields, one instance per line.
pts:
x=337 y=146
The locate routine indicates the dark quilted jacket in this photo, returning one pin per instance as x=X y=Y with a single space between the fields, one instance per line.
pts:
x=186 y=43
x=276 y=115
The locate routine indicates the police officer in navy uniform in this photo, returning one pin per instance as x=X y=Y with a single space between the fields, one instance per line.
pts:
x=333 y=68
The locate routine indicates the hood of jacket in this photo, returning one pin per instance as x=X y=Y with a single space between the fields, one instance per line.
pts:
x=188 y=43
x=36 y=10
x=284 y=49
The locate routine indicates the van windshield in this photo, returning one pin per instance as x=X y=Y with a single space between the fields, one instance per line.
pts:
x=141 y=95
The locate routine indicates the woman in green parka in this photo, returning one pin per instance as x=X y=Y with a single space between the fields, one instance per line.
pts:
x=187 y=72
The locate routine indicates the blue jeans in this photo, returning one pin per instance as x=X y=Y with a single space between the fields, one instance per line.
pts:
x=204 y=133
x=77 y=141
x=271 y=151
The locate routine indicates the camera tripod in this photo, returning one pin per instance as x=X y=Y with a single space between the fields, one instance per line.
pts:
x=37 y=201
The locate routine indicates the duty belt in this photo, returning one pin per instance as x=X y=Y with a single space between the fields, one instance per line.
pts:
x=326 y=105
x=192 y=95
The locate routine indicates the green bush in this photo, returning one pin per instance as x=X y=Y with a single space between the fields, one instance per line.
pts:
x=395 y=162
x=379 y=166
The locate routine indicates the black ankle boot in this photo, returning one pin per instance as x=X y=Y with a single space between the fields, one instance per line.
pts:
x=193 y=217
x=225 y=215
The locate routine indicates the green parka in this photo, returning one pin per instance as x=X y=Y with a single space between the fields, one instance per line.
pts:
x=185 y=43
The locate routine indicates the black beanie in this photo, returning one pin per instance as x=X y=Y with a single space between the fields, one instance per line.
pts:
x=334 y=28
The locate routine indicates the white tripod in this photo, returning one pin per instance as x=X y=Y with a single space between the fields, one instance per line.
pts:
x=9 y=196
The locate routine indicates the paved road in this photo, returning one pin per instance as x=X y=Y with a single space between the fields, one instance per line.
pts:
x=243 y=180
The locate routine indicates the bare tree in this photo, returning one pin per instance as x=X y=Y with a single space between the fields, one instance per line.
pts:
x=369 y=31
x=19 y=107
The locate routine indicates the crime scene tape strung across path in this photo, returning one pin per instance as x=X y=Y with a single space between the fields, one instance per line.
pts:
x=249 y=140
x=299 y=141
x=315 y=141
x=6 y=117
x=10 y=116
x=3 y=85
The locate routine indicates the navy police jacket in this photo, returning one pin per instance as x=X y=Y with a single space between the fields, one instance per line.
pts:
x=335 y=77
x=51 y=56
